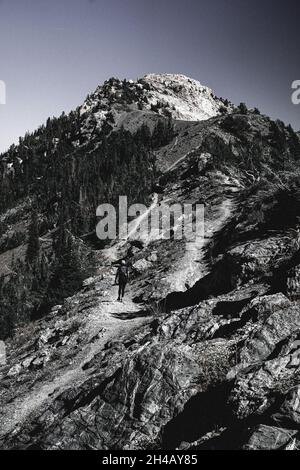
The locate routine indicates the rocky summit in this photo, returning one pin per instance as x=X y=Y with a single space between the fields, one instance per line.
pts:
x=204 y=351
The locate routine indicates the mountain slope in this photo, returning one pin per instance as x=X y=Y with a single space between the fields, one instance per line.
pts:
x=208 y=331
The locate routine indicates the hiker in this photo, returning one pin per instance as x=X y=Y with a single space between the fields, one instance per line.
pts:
x=122 y=279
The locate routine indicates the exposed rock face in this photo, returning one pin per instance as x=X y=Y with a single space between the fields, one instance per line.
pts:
x=186 y=98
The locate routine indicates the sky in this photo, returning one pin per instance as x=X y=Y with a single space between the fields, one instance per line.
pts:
x=53 y=53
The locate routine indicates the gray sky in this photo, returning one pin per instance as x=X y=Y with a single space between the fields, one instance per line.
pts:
x=53 y=53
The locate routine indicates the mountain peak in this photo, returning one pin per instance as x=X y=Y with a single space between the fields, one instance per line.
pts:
x=171 y=95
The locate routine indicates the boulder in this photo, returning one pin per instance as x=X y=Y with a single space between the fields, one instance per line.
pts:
x=141 y=265
x=15 y=370
x=289 y=412
x=203 y=161
x=27 y=362
x=50 y=335
x=88 y=282
x=38 y=363
x=265 y=338
x=152 y=257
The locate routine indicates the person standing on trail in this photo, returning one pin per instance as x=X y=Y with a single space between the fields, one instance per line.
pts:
x=122 y=279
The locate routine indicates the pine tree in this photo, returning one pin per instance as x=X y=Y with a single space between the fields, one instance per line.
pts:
x=243 y=108
x=33 y=246
x=68 y=272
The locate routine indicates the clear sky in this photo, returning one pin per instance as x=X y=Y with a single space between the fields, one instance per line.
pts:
x=53 y=53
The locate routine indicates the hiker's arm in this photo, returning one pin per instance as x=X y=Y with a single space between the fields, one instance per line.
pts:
x=117 y=277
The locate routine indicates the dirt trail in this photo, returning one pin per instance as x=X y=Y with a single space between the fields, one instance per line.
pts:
x=113 y=253
x=174 y=165
x=192 y=266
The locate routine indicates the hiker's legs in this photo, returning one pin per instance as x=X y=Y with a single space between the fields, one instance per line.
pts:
x=123 y=288
x=120 y=291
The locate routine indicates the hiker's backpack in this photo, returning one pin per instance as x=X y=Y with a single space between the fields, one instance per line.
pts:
x=123 y=273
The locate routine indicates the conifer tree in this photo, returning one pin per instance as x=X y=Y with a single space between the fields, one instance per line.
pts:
x=33 y=246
